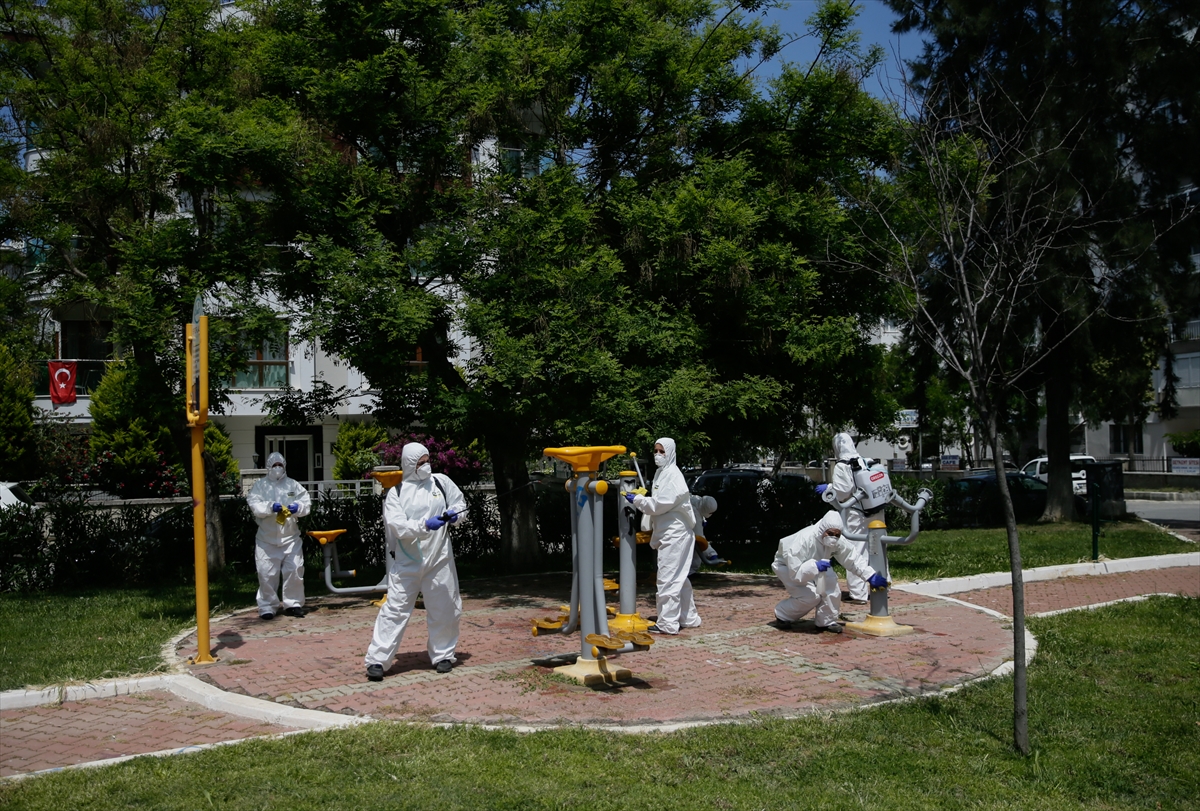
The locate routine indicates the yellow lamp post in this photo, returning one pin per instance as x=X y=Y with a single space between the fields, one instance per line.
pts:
x=196 y=341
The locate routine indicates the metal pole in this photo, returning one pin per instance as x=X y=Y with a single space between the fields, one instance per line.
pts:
x=197 y=419
x=587 y=594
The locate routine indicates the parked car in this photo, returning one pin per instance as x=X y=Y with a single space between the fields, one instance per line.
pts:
x=753 y=505
x=975 y=499
x=12 y=494
x=1040 y=469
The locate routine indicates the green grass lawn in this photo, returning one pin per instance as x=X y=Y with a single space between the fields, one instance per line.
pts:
x=1114 y=699
x=55 y=637
x=957 y=552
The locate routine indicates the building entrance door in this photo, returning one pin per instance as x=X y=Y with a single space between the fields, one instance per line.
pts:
x=297 y=450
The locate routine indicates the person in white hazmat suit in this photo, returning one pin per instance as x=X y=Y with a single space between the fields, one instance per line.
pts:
x=705 y=552
x=673 y=525
x=802 y=562
x=277 y=502
x=416 y=513
x=845 y=455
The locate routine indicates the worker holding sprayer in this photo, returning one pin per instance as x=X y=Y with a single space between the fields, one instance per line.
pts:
x=416 y=515
x=673 y=523
x=276 y=502
x=847 y=462
x=803 y=563
x=705 y=552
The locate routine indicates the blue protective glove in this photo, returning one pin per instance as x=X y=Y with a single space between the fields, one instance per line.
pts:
x=276 y=507
x=629 y=497
x=877 y=581
x=451 y=516
x=434 y=523
x=294 y=507
x=823 y=565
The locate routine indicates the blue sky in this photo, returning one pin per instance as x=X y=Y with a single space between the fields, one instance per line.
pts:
x=874 y=21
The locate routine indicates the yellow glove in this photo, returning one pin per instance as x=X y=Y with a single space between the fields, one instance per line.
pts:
x=641 y=491
x=282 y=516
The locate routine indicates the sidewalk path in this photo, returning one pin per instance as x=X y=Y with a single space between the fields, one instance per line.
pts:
x=281 y=676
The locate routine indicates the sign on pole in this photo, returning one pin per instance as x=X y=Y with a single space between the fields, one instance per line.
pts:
x=197 y=313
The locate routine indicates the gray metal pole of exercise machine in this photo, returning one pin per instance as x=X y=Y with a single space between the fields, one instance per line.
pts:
x=572 y=623
x=626 y=516
x=334 y=569
x=879 y=621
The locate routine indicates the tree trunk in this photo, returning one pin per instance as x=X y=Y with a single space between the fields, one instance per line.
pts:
x=214 y=529
x=1060 y=498
x=1020 y=689
x=520 y=548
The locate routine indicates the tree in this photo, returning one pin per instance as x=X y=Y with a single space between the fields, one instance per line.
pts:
x=621 y=260
x=975 y=233
x=156 y=174
x=16 y=418
x=1111 y=80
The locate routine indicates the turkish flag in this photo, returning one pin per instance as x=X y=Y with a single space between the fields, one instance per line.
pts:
x=62 y=382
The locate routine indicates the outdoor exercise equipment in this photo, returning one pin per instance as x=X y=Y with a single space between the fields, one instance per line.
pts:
x=873 y=492
x=588 y=612
x=627 y=618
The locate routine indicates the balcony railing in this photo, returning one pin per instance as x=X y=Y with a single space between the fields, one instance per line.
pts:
x=87 y=377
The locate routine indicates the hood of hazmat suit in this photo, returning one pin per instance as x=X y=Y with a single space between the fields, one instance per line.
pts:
x=276 y=467
x=409 y=504
x=812 y=544
x=277 y=488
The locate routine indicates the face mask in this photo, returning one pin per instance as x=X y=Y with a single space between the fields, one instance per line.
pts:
x=423 y=472
x=660 y=459
x=275 y=474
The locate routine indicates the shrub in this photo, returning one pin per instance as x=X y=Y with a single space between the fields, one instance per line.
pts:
x=16 y=419
x=1186 y=443
x=220 y=447
x=352 y=452
x=462 y=466
x=131 y=446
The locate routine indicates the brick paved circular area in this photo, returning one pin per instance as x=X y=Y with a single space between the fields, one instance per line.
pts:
x=734 y=666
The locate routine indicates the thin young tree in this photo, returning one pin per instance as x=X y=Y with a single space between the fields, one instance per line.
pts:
x=970 y=230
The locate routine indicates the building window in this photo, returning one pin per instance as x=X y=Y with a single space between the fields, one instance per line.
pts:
x=1125 y=439
x=266 y=368
x=1187 y=369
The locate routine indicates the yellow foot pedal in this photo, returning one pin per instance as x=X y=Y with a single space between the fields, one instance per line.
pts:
x=547 y=624
x=602 y=641
x=636 y=637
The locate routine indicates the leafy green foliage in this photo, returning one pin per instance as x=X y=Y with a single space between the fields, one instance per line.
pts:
x=352 y=450
x=16 y=419
x=219 y=446
x=131 y=443
x=1186 y=443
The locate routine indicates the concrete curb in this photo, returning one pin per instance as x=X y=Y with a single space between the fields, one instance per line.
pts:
x=1155 y=495
x=955 y=585
x=187 y=688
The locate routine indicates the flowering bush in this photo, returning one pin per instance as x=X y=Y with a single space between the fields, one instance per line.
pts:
x=462 y=466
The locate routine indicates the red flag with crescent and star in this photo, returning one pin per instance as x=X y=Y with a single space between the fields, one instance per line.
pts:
x=62 y=382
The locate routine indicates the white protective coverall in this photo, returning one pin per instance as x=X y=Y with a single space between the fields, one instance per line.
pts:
x=673 y=534
x=703 y=507
x=796 y=565
x=420 y=561
x=844 y=487
x=278 y=548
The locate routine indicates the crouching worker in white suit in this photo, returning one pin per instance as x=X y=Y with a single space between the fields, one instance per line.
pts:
x=416 y=513
x=276 y=503
x=673 y=523
x=803 y=564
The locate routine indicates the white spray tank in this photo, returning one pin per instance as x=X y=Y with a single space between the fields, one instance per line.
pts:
x=872 y=478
